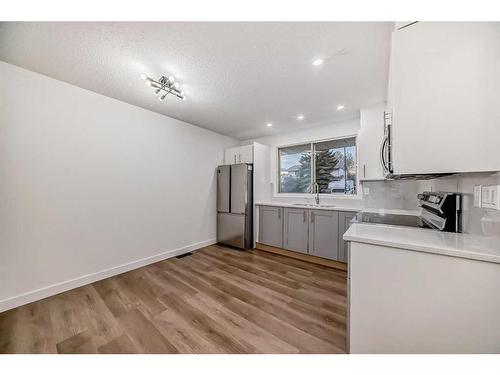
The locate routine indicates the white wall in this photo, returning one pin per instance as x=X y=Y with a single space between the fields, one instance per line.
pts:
x=91 y=186
x=335 y=130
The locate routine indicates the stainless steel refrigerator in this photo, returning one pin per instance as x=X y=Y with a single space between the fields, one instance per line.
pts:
x=235 y=205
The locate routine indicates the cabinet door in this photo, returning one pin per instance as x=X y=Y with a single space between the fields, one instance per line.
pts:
x=344 y=223
x=323 y=234
x=230 y=156
x=245 y=154
x=270 y=226
x=296 y=228
x=445 y=79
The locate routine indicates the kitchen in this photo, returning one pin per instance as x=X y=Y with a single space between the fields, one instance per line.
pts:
x=445 y=189
x=231 y=216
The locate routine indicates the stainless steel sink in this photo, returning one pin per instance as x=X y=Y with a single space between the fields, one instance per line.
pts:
x=312 y=205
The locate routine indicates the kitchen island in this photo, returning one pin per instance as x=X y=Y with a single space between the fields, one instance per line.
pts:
x=422 y=291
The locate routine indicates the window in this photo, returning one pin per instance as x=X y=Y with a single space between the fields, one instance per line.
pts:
x=333 y=167
x=295 y=169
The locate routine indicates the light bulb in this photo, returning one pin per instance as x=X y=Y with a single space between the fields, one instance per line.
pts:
x=317 y=62
x=184 y=98
x=144 y=76
x=269 y=124
x=300 y=117
x=157 y=91
x=340 y=107
x=171 y=79
x=149 y=81
x=162 y=98
x=176 y=85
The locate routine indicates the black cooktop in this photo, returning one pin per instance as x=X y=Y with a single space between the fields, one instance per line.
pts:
x=390 y=219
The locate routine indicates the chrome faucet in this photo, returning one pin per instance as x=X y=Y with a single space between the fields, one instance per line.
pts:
x=315 y=190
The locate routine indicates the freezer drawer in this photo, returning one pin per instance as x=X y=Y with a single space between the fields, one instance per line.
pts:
x=231 y=229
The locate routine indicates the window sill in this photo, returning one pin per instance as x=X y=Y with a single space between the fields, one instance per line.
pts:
x=321 y=196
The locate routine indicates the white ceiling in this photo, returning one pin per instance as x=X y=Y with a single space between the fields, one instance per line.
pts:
x=236 y=76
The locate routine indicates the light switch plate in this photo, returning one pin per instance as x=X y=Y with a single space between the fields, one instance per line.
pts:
x=366 y=191
x=477 y=196
x=490 y=197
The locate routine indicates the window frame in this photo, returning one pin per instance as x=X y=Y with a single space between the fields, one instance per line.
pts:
x=276 y=191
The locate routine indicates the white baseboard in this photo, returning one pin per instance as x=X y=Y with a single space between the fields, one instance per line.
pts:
x=38 y=294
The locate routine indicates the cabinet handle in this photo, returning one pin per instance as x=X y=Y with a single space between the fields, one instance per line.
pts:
x=239 y=156
x=234 y=158
x=364 y=170
x=312 y=217
x=304 y=216
x=279 y=213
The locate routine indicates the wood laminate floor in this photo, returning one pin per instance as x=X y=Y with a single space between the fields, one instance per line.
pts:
x=218 y=300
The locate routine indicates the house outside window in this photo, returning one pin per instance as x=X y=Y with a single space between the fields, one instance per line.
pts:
x=333 y=167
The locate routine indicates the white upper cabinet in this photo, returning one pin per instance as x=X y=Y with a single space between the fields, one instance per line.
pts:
x=236 y=155
x=246 y=154
x=370 y=136
x=445 y=97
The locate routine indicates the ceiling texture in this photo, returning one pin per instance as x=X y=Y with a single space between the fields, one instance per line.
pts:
x=237 y=76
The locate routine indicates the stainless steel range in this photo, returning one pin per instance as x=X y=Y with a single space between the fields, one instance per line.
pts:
x=440 y=210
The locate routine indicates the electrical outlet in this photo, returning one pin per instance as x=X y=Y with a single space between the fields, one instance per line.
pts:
x=490 y=197
x=477 y=196
x=366 y=191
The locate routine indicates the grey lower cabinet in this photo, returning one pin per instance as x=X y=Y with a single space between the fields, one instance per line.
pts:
x=324 y=234
x=344 y=223
x=271 y=225
x=309 y=231
x=296 y=228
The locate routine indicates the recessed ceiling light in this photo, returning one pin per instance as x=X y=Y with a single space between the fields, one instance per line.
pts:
x=318 y=62
x=269 y=124
x=300 y=117
x=340 y=107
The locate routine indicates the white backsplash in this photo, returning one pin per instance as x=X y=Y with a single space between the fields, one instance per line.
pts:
x=475 y=220
x=402 y=195
x=392 y=194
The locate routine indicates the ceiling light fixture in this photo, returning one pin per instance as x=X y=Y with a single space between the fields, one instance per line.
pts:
x=164 y=86
x=317 y=62
x=300 y=117
x=269 y=124
x=340 y=107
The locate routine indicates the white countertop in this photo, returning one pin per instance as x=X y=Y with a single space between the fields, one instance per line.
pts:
x=342 y=208
x=427 y=240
